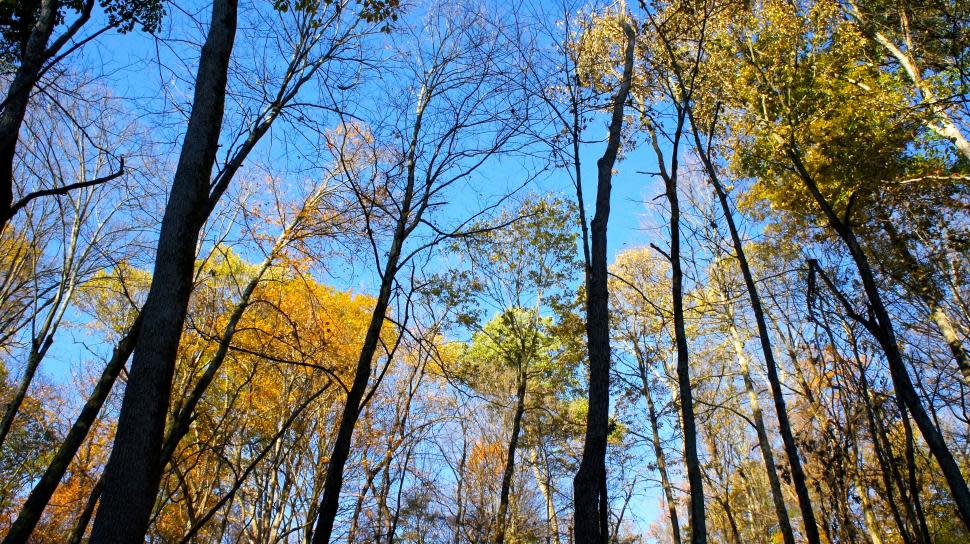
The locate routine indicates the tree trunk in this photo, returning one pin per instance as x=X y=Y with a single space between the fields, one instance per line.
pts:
x=589 y=485
x=881 y=327
x=541 y=470
x=327 y=512
x=771 y=366
x=784 y=523
x=132 y=475
x=33 y=361
x=509 y=472
x=17 y=99
x=658 y=451
x=81 y=527
x=695 y=477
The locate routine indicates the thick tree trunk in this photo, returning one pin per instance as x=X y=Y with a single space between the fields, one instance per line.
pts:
x=509 y=471
x=771 y=366
x=40 y=495
x=132 y=475
x=881 y=327
x=589 y=485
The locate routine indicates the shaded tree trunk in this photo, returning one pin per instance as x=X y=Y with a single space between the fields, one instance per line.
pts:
x=18 y=96
x=590 y=525
x=333 y=482
x=132 y=475
x=40 y=495
x=881 y=327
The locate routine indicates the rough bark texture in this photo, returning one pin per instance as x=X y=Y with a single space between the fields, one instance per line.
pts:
x=589 y=485
x=132 y=475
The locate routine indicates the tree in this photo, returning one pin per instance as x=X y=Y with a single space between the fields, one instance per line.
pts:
x=591 y=522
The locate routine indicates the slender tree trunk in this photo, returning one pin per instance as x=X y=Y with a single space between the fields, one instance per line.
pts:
x=925 y=287
x=658 y=451
x=695 y=477
x=132 y=475
x=914 y=491
x=589 y=486
x=771 y=366
x=509 y=471
x=459 y=498
x=881 y=327
x=541 y=470
x=327 y=512
x=40 y=495
x=778 y=499
x=81 y=526
x=870 y=517
x=37 y=352
x=183 y=417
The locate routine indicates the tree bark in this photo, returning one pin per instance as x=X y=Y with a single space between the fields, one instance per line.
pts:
x=659 y=452
x=333 y=482
x=771 y=366
x=132 y=475
x=778 y=499
x=590 y=524
x=17 y=99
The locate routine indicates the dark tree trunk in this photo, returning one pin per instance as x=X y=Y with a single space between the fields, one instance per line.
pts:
x=695 y=477
x=81 y=526
x=132 y=475
x=589 y=486
x=771 y=367
x=333 y=482
x=503 y=499
x=18 y=96
x=37 y=352
x=881 y=327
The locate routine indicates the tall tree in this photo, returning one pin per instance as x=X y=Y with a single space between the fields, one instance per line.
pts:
x=133 y=473
x=591 y=514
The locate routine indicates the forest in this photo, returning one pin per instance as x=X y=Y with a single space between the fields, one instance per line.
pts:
x=477 y=272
